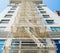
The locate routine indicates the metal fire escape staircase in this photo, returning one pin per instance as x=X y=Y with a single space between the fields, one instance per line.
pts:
x=29 y=18
x=28 y=24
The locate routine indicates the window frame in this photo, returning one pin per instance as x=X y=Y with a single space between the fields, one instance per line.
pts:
x=42 y=11
x=10 y=11
x=2 y=27
x=8 y=16
x=55 y=28
x=50 y=21
x=46 y=16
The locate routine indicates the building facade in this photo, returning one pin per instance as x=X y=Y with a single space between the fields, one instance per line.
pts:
x=29 y=26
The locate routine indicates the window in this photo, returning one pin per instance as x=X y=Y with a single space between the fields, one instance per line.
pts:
x=2 y=27
x=10 y=11
x=14 y=6
x=46 y=16
x=50 y=21
x=55 y=28
x=42 y=11
x=28 y=44
x=8 y=16
x=39 y=6
x=4 y=21
x=13 y=9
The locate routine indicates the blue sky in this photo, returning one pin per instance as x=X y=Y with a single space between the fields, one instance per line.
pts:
x=52 y=4
x=3 y=4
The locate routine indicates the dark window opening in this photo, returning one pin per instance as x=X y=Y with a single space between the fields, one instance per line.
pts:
x=46 y=16
x=50 y=21
x=13 y=9
x=39 y=6
x=8 y=16
x=10 y=11
x=4 y=21
x=14 y=6
x=29 y=44
x=42 y=11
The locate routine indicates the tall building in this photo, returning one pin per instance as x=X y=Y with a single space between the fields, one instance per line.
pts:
x=29 y=26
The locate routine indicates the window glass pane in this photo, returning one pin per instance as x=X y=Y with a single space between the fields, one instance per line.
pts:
x=14 y=6
x=4 y=21
x=10 y=11
x=42 y=11
x=46 y=16
x=55 y=28
x=50 y=21
x=8 y=16
x=39 y=6
x=2 y=28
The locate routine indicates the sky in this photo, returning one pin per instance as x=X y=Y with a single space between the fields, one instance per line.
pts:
x=3 y=4
x=52 y=4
